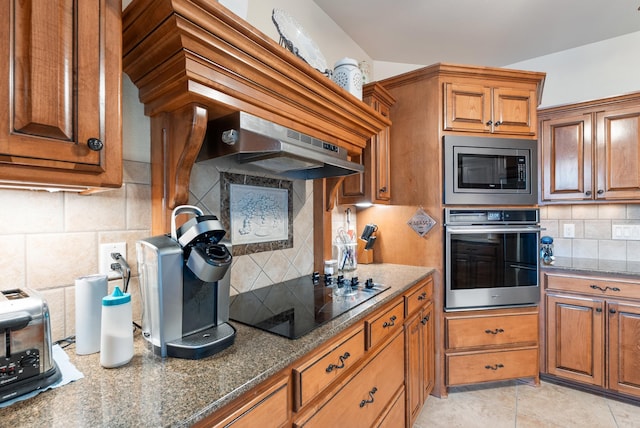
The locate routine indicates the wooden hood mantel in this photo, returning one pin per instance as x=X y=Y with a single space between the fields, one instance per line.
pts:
x=194 y=61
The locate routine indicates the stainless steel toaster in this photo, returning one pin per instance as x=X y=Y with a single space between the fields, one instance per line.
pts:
x=26 y=362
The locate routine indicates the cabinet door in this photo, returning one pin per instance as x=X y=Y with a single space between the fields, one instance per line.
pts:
x=618 y=154
x=61 y=82
x=414 y=364
x=467 y=108
x=575 y=338
x=428 y=352
x=380 y=148
x=514 y=111
x=624 y=348
x=373 y=185
x=566 y=158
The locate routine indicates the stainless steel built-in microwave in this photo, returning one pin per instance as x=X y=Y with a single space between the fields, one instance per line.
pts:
x=490 y=171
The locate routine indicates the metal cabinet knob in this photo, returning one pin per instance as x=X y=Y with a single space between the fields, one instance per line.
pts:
x=95 y=144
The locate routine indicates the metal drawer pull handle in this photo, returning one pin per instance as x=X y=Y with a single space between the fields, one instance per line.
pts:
x=495 y=367
x=390 y=323
x=330 y=368
x=496 y=331
x=370 y=400
x=422 y=296
x=596 y=287
x=425 y=320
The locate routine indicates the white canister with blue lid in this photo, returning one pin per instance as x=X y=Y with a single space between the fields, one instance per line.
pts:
x=116 y=338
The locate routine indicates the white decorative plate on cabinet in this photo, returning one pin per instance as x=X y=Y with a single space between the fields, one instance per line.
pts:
x=294 y=38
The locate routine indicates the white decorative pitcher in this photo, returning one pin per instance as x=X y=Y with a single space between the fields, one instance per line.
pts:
x=348 y=75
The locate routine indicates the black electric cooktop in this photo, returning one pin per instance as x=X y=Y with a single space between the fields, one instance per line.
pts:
x=293 y=308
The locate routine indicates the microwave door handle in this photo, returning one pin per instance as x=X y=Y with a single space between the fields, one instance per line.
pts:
x=489 y=229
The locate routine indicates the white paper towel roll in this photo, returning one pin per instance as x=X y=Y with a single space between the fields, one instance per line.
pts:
x=90 y=290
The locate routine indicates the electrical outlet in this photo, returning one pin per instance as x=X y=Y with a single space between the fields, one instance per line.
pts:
x=105 y=260
x=569 y=230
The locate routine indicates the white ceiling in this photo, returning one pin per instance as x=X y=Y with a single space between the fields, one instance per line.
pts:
x=482 y=32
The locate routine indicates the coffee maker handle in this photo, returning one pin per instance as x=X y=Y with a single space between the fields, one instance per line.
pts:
x=182 y=209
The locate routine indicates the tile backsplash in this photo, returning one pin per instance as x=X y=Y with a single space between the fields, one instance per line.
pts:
x=261 y=269
x=48 y=239
x=593 y=225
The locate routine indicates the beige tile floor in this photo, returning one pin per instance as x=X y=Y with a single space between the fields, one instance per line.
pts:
x=516 y=404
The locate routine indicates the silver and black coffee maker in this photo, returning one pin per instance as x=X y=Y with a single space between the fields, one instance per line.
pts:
x=184 y=283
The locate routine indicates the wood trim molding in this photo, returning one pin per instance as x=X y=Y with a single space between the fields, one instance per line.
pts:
x=181 y=53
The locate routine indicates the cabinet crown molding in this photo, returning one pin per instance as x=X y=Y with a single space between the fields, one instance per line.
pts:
x=194 y=61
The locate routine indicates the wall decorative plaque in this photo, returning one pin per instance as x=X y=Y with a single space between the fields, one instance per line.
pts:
x=421 y=222
x=256 y=212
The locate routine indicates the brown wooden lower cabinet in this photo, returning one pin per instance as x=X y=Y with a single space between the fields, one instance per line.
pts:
x=477 y=367
x=358 y=378
x=575 y=338
x=419 y=348
x=268 y=407
x=367 y=397
x=395 y=417
x=593 y=331
x=491 y=345
x=624 y=348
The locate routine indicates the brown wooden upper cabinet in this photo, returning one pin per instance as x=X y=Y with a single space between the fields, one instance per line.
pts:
x=374 y=185
x=60 y=80
x=591 y=151
x=489 y=109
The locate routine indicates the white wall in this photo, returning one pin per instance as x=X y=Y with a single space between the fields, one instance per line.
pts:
x=607 y=68
x=598 y=70
x=331 y=40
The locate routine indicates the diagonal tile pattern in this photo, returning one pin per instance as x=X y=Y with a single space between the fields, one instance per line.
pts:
x=520 y=405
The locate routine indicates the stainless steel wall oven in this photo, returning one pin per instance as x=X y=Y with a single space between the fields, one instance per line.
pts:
x=491 y=258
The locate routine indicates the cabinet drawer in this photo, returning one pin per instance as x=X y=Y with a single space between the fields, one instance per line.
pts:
x=268 y=409
x=593 y=286
x=491 y=366
x=364 y=398
x=492 y=331
x=395 y=417
x=313 y=376
x=383 y=325
x=418 y=297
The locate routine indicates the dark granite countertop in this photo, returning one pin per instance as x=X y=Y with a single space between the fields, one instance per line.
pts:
x=150 y=391
x=595 y=266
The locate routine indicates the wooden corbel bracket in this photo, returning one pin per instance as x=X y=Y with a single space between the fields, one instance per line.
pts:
x=176 y=139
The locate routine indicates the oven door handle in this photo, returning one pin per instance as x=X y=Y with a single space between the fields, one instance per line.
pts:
x=491 y=229
x=524 y=267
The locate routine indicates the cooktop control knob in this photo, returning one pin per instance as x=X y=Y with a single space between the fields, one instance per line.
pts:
x=354 y=281
x=341 y=281
x=368 y=283
x=328 y=279
x=315 y=278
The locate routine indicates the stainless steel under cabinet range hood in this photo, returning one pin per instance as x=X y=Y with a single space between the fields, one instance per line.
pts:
x=256 y=145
